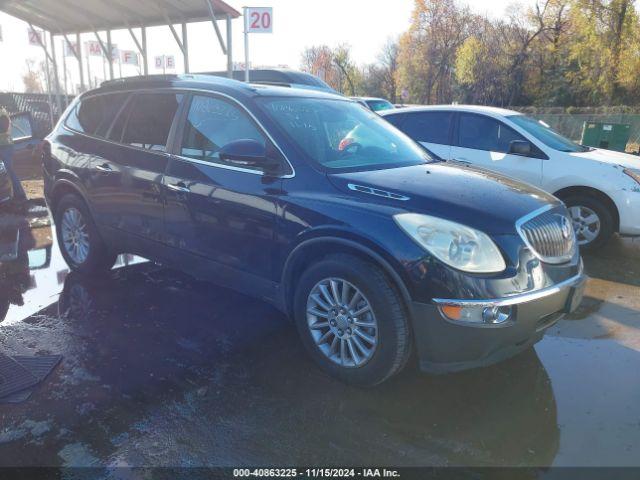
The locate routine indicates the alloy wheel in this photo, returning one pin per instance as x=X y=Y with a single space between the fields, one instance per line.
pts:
x=75 y=236
x=342 y=322
x=586 y=224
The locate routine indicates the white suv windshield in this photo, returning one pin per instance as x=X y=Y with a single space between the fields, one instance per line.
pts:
x=342 y=135
x=546 y=135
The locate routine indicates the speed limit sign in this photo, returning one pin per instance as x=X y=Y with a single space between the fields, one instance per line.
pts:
x=258 y=20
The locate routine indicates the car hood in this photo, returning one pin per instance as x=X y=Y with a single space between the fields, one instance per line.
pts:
x=625 y=160
x=483 y=200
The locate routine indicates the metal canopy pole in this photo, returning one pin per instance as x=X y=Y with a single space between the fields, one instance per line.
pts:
x=229 y=49
x=55 y=73
x=64 y=69
x=225 y=49
x=104 y=52
x=185 y=50
x=142 y=49
x=88 y=59
x=145 y=55
x=78 y=54
x=110 y=56
x=181 y=43
x=47 y=58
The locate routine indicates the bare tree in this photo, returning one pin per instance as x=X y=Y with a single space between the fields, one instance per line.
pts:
x=32 y=78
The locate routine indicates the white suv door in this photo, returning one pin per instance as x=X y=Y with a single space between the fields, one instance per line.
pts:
x=486 y=141
x=433 y=129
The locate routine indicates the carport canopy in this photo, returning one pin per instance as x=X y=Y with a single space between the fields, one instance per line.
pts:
x=65 y=17
x=81 y=16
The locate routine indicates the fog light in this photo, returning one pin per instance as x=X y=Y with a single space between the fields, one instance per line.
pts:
x=486 y=315
x=496 y=315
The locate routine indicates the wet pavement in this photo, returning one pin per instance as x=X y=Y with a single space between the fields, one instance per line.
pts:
x=159 y=369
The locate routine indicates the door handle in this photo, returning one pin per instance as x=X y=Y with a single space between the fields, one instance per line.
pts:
x=104 y=168
x=178 y=187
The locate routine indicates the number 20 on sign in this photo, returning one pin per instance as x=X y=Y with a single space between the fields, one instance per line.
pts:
x=258 y=19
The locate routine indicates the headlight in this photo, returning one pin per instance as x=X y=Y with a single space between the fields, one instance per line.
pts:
x=2 y=167
x=457 y=245
x=633 y=173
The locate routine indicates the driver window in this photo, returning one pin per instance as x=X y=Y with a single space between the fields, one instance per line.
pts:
x=211 y=124
x=484 y=133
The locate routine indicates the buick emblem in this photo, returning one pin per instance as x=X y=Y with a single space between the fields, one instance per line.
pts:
x=565 y=227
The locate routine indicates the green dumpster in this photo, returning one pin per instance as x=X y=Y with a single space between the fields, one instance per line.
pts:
x=611 y=136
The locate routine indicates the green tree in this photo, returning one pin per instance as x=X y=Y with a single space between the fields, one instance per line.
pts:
x=427 y=51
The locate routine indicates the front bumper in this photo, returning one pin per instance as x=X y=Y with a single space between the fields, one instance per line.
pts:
x=447 y=345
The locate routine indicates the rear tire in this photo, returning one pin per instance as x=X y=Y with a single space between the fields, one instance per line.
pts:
x=591 y=233
x=78 y=238
x=339 y=336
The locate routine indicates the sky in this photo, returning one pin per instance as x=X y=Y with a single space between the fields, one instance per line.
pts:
x=365 y=25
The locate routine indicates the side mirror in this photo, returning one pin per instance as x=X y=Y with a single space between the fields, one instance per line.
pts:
x=520 y=147
x=248 y=153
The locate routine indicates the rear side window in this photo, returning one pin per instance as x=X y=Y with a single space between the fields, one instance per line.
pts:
x=485 y=133
x=211 y=124
x=117 y=129
x=396 y=120
x=94 y=115
x=150 y=119
x=429 y=127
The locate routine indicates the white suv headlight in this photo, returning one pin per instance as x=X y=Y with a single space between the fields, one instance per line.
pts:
x=457 y=245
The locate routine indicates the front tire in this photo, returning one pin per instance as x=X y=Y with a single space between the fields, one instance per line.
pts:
x=592 y=221
x=79 y=239
x=352 y=320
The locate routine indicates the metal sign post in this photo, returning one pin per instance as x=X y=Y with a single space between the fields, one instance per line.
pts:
x=256 y=20
x=246 y=45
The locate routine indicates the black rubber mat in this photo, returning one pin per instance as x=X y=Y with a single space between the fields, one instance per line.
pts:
x=40 y=367
x=14 y=377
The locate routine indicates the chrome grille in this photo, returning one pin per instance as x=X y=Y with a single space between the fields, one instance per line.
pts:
x=549 y=234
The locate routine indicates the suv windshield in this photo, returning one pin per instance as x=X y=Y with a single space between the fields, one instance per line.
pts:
x=341 y=135
x=546 y=135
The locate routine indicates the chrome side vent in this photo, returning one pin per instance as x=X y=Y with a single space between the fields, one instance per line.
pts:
x=377 y=192
x=549 y=234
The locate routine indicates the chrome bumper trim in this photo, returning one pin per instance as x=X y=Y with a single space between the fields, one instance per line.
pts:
x=514 y=299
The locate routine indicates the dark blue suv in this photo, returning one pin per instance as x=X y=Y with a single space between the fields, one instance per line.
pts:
x=372 y=247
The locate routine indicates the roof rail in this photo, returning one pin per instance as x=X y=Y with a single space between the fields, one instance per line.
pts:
x=140 y=78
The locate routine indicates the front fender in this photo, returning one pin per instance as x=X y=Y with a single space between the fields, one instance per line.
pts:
x=335 y=239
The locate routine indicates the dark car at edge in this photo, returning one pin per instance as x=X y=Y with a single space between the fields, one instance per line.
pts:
x=373 y=250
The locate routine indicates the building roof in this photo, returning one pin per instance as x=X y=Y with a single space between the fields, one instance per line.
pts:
x=78 y=16
x=493 y=111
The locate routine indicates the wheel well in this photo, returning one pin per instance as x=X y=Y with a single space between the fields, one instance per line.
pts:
x=314 y=250
x=592 y=192
x=60 y=191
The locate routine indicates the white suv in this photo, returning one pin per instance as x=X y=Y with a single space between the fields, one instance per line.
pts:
x=600 y=187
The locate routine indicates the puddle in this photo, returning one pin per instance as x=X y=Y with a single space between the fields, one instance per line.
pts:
x=160 y=369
